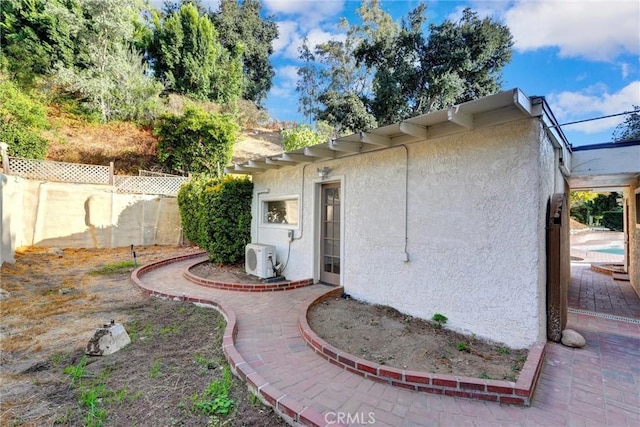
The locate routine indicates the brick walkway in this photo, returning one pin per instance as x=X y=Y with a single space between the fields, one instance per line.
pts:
x=597 y=385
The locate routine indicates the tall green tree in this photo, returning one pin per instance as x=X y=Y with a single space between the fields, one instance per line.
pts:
x=187 y=55
x=332 y=76
x=405 y=70
x=630 y=128
x=35 y=37
x=456 y=62
x=111 y=76
x=240 y=25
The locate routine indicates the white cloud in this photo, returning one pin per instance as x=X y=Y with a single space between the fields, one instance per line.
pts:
x=592 y=29
x=625 y=68
x=594 y=101
x=287 y=33
x=287 y=79
x=290 y=38
x=310 y=12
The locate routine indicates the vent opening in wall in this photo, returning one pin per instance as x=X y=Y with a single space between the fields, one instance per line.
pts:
x=260 y=260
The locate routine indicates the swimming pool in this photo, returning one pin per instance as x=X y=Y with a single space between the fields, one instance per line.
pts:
x=614 y=251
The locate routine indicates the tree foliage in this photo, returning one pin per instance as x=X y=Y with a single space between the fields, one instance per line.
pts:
x=630 y=128
x=21 y=119
x=304 y=136
x=110 y=75
x=241 y=27
x=400 y=71
x=35 y=37
x=196 y=142
x=216 y=215
x=587 y=206
x=188 y=56
x=333 y=85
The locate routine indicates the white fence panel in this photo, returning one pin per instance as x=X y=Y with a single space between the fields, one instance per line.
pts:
x=58 y=171
x=153 y=183
x=166 y=186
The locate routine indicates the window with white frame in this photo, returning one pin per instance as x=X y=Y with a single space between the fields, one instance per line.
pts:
x=280 y=211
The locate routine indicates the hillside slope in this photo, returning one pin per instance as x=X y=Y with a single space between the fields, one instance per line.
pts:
x=132 y=147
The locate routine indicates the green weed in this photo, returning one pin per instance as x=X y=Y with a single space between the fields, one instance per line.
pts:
x=204 y=362
x=168 y=330
x=503 y=350
x=215 y=399
x=462 y=347
x=77 y=372
x=155 y=369
x=90 y=398
x=113 y=268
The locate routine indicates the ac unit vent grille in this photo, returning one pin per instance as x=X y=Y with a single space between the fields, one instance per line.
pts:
x=260 y=260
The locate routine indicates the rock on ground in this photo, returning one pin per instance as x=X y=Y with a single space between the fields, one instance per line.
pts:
x=571 y=338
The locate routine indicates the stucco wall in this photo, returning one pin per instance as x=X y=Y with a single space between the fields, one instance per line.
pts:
x=82 y=215
x=476 y=206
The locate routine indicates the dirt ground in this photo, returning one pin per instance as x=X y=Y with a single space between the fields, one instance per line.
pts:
x=51 y=303
x=385 y=336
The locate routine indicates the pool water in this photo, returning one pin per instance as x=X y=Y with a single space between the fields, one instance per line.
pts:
x=615 y=251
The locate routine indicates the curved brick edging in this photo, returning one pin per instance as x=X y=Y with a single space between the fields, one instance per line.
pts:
x=240 y=287
x=288 y=408
x=519 y=393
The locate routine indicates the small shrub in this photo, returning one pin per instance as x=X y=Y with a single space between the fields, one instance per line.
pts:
x=22 y=141
x=299 y=137
x=196 y=142
x=439 y=320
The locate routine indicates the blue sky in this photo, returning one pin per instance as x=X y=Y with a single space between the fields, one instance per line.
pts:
x=582 y=55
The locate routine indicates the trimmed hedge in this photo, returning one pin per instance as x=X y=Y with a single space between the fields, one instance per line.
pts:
x=613 y=220
x=216 y=215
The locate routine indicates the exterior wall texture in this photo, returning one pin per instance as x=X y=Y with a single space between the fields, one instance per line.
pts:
x=467 y=211
x=82 y=215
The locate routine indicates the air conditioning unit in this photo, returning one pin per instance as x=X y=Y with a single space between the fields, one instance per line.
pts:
x=260 y=259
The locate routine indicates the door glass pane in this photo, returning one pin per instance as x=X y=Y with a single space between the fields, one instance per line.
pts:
x=336 y=265
x=329 y=231
x=327 y=247
x=327 y=264
x=336 y=248
x=329 y=213
x=336 y=212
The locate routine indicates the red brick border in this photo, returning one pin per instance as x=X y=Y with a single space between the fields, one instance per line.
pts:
x=518 y=393
x=288 y=408
x=244 y=287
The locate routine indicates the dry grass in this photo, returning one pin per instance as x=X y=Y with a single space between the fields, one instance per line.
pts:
x=132 y=147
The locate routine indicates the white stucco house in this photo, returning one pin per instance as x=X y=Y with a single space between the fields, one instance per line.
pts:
x=442 y=213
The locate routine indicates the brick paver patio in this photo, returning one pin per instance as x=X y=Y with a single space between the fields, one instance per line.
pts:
x=597 y=385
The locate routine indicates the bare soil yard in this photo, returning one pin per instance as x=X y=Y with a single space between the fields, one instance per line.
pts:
x=383 y=335
x=50 y=308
